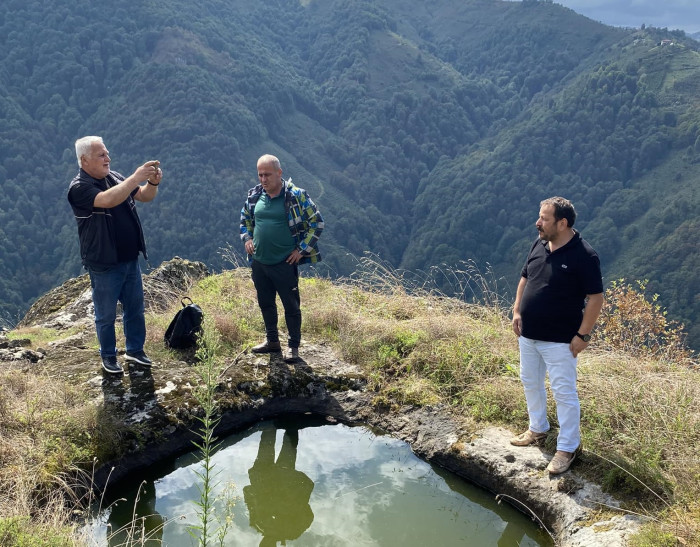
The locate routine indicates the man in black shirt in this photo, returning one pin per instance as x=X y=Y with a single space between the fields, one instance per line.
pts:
x=558 y=301
x=111 y=239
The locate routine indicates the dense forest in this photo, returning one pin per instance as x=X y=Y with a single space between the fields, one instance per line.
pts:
x=427 y=134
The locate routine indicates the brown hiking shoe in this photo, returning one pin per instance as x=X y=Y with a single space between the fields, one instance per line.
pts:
x=561 y=461
x=528 y=438
x=267 y=347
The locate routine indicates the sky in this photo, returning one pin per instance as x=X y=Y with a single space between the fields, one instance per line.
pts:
x=673 y=14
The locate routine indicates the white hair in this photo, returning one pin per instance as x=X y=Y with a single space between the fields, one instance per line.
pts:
x=83 y=147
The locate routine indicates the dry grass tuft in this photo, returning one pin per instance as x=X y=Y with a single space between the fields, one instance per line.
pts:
x=229 y=330
x=43 y=434
x=645 y=416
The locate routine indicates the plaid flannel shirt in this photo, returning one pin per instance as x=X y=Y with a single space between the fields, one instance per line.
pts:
x=304 y=219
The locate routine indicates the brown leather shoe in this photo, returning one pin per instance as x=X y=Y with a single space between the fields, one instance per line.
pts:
x=267 y=347
x=561 y=461
x=291 y=355
x=528 y=438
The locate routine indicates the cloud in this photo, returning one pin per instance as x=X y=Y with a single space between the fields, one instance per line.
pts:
x=673 y=14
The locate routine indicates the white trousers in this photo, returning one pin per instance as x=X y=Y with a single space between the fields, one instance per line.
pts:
x=537 y=359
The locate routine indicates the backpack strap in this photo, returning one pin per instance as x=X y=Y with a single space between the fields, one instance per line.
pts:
x=183 y=301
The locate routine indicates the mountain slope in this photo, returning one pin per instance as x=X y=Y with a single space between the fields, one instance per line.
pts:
x=426 y=135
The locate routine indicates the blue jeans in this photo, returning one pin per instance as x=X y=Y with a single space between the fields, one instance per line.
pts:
x=538 y=359
x=120 y=283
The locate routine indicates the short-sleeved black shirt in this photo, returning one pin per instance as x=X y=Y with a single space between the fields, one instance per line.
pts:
x=127 y=232
x=107 y=236
x=552 y=303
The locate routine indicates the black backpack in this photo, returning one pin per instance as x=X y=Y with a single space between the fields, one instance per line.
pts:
x=186 y=326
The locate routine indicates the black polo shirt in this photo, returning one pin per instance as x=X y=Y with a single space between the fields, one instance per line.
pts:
x=552 y=303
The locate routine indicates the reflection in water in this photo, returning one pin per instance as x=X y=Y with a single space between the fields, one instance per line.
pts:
x=512 y=534
x=278 y=495
x=310 y=484
x=144 y=525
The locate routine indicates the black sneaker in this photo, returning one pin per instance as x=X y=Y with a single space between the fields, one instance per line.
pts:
x=139 y=357
x=111 y=365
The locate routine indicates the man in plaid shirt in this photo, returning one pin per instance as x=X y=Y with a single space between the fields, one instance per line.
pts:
x=280 y=227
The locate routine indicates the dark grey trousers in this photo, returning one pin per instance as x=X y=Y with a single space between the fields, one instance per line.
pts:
x=279 y=279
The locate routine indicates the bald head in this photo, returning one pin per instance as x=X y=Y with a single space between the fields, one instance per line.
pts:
x=270 y=174
x=270 y=160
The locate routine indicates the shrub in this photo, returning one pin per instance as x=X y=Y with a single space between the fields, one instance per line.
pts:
x=639 y=326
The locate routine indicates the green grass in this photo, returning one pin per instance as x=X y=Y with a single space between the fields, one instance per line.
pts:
x=39 y=336
x=22 y=532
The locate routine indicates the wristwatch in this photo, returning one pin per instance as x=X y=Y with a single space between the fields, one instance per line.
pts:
x=584 y=337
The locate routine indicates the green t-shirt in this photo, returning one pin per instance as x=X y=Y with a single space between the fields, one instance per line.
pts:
x=272 y=239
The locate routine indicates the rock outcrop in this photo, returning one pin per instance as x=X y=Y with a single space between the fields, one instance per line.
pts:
x=70 y=305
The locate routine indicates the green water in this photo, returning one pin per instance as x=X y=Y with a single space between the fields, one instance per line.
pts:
x=303 y=483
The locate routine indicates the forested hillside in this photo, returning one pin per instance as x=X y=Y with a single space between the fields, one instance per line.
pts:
x=426 y=133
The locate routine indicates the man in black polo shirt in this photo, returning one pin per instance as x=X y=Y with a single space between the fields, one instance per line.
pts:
x=111 y=239
x=558 y=301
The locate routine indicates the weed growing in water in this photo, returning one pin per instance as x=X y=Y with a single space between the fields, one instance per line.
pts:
x=212 y=526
